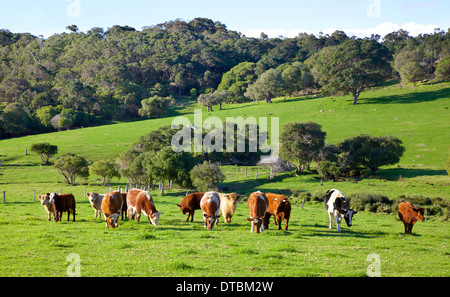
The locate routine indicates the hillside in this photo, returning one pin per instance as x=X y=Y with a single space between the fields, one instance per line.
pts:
x=419 y=118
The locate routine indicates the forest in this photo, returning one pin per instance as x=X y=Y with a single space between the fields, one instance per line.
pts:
x=78 y=79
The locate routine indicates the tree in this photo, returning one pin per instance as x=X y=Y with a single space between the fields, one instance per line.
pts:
x=70 y=166
x=169 y=165
x=365 y=151
x=443 y=69
x=208 y=100
x=269 y=85
x=45 y=151
x=292 y=77
x=154 y=107
x=409 y=63
x=107 y=169
x=351 y=67
x=301 y=143
x=237 y=80
x=206 y=176
x=16 y=120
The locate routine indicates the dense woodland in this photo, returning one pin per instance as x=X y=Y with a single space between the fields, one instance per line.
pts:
x=77 y=79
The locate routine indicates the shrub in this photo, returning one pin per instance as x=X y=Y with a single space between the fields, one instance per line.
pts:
x=370 y=202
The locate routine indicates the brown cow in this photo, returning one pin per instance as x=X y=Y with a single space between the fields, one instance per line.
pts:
x=45 y=201
x=210 y=205
x=280 y=208
x=62 y=203
x=139 y=200
x=112 y=207
x=228 y=203
x=257 y=205
x=190 y=203
x=409 y=215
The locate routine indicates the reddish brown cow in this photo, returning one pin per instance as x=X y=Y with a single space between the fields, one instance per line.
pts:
x=279 y=208
x=139 y=200
x=210 y=205
x=257 y=205
x=190 y=203
x=62 y=203
x=111 y=208
x=409 y=215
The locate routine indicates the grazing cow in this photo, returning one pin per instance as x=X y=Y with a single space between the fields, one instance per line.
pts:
x=409 y=215
x=139 y=200
x=45 y=201
x=190 y=203
x=96 y=202
x=62 y=203
x=257 y=205
x=338 y=207
x=279 y=208
x=111 y=208
x=210 y=205
x=228 y=203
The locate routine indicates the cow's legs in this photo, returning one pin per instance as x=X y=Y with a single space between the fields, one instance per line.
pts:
x=330 y=215
x=338 y=222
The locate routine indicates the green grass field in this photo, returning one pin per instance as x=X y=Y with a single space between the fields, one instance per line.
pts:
x=32 y=246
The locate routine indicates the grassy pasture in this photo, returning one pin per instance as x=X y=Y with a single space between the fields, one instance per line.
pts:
x=32 y=246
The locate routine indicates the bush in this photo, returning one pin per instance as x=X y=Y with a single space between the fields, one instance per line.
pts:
x=370 y=202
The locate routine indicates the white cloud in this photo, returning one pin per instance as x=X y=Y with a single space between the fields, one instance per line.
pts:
x=382 y=29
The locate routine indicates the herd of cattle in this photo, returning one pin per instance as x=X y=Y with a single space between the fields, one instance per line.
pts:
x=261 y=207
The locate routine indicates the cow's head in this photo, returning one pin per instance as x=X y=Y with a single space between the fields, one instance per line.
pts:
x=92 y=196
x=154 y=218
x=52 y=197
x=45 y=199
x=280 y=203
x=348 y=216
x=257 y=224
x=113 y=220
x=232 y=198
x=419 y=211
x=210 y=220
x=183 y=209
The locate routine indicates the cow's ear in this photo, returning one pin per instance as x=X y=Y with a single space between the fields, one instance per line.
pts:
x=179 y=205
x=249 y=219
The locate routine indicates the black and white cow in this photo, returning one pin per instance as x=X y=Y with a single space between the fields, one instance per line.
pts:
x=338 y=207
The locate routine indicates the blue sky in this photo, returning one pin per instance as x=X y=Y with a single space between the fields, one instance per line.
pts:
x=251 y=17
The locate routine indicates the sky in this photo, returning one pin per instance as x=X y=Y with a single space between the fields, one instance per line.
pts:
x=250 y=17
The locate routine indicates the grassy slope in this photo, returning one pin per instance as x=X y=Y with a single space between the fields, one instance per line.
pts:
x=419 y=118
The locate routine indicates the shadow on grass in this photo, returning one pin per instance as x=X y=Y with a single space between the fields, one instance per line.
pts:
x=411 y=97
x=395 y=173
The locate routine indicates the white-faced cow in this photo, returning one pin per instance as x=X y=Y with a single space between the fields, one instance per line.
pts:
x=111 y=208
x=338 y=208
x=141 y=201
x=96 y=202
x=210 y=205
x=62 y=203
x=45 y=201
x=257 y=205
